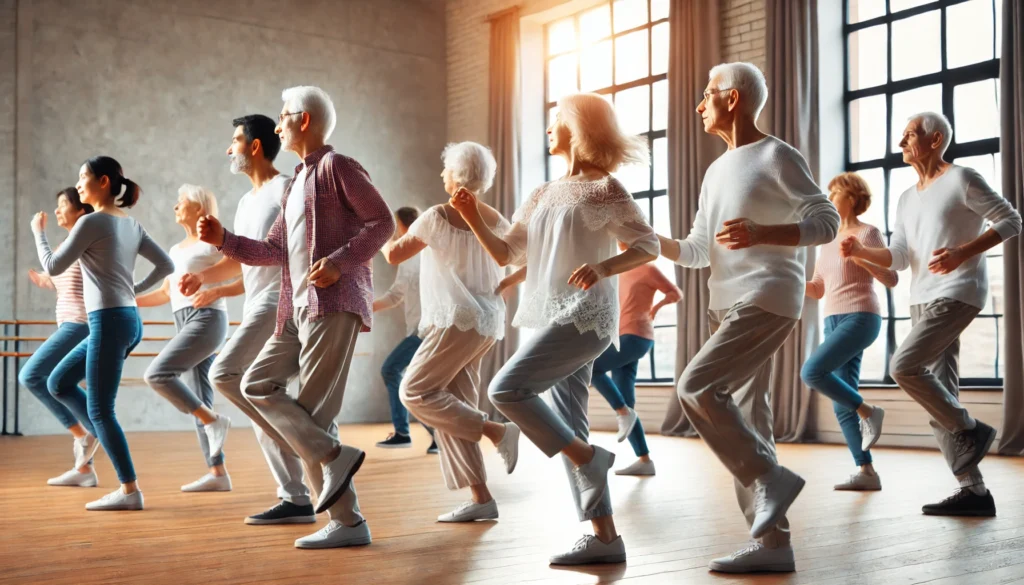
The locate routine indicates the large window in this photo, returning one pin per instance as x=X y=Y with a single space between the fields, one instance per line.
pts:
x=619 y=50
x=904 y=57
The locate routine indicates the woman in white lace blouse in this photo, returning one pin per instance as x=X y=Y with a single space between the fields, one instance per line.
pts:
x=566 y=235
x=462 y=315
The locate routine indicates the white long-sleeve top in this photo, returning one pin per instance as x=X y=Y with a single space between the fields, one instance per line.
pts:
x=405 y=291
x=767 y=182
x=952 y=211
x=562 y=226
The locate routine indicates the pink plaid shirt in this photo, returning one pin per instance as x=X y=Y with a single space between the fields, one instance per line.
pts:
x=347 y=222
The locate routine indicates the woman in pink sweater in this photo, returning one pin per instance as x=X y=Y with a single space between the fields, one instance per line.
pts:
x=852 y=323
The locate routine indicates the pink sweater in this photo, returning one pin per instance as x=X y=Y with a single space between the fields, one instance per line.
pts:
x=637 y=288
x=847 y=286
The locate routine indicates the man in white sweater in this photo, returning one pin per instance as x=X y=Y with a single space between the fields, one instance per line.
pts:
x=940 y=233
x=759 y=207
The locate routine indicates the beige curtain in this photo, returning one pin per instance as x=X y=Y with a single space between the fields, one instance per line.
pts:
x=503 y=136
x=792 y=116
x=694 y=48
x=1011 y=101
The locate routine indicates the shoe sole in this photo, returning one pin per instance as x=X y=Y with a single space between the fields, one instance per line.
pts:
x=767 y=568
x=790 y=498
x=634 y=474
x=344 y=544
x=979 y=454
x=877 y=436
x=342 y=486
x=290 y=520
x=117 y=509
x=78 y=485
x=856 y=489
x=968 y=514
x=468 y=520
x=591 y=561
x=201 y=491
x=405 y=446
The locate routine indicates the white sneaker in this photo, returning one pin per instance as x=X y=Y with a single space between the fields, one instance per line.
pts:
x=756 y=558
x=871 y=428
x=117 y=500
x=338 y=475
x=590 y=550
x=85 y=448
x=626 y=423
x=470 y=511
x=508 y=447
x=772 y=497
x=638 y=467
x=74 y=478
x=592 y=478
x=336 y=535
x=209 y=483
x=860 y=482
x=217 y=433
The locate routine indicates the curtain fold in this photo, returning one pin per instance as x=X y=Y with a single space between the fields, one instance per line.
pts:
x=504 y=140
x=694 y=48
x=792 y=116
x=1011 y=131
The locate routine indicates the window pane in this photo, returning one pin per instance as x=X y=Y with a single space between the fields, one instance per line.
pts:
x=660 y=161
x=561 y=36
x=595 y=24
x=916 y=45
x=869 y=52
x=865 y=9
x=984 y=164
x=659 y=49
x=867 y=124
x=900 y=179
x=660 y=121
x=909 y=103
x=883 y=299
x=665 y=352
x=902 y=330
x=976 y=110
x=978 y=349
x=633 y=108
x=659 y=9
x=898 y=5
x=999 y=28
x=969 y=32
x=643 y=370
x=551 y=115
x=629 y=14
x=634 y=177
x=596 y=66
x=872 y=366
x=561 y=77
x=631 y=56
x=661 y=223
x=875 y=215
x=556 y=167
x=994 y=304
x=901 y=295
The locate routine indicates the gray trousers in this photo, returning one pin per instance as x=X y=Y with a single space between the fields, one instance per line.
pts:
x=235 y=358
x=926 y=366
x=319 y=353
x=181 y=372
x=724 y=391
x=561 y=359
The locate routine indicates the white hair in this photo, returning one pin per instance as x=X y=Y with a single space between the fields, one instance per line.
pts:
x=472 y=165
x=746 y=79
x=315 y=102
x=932 y=122
x=201 y=195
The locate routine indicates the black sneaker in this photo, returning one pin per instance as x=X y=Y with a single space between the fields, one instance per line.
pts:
x=395 y=441
x=972 y=446
x=285 y=513
x=963 y=503
x=432 y=449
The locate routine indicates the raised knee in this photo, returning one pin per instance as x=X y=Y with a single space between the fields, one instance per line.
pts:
x=810 y=374
x=31 y=379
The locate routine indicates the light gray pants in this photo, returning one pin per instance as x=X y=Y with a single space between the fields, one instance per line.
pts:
x=319 y=353
x=189 y=355
x=561 y=359
x=926 y=366
x=724 y=391
x=235 y=358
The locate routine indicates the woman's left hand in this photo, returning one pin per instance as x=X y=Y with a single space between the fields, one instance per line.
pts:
x=587 y=275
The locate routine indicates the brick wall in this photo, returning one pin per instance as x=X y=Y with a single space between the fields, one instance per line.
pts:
x=743 y=31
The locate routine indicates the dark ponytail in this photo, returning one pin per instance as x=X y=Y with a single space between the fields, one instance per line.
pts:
x=71 y=194
x=124 y=191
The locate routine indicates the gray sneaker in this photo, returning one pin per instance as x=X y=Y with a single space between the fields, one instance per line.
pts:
x=971 y=446
x=871 y=428
x=590 y=550
x=860 y=482
x=756 y=558
x=592 y=478
x=772 y=498
x=117 y=500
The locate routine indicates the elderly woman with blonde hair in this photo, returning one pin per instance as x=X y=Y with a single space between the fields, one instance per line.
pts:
x=566 y=235
x=201 y=322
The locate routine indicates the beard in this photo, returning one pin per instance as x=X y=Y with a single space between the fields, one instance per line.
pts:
x=240 y=164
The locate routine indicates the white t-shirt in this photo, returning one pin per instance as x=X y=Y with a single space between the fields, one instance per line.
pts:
x=192 y=259
x=298 y=250
x=405 y=291
x=256 y=213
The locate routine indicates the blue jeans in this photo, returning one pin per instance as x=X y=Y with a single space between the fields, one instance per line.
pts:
x=38 y=367
x=834 y=370
x=392 y=371
x=113 y=334
x=620 y=388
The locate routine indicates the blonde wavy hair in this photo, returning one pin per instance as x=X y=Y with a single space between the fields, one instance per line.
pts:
x=201 y=195
x=597 y=137
x=855 y=186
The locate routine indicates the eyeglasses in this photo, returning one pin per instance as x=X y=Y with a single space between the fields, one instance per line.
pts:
x=280 y=119
x=710 y=92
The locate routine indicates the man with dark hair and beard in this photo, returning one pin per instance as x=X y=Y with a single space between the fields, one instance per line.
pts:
x=254 y=146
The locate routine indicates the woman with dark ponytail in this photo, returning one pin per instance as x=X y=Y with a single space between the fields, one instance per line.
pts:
x=106 y=243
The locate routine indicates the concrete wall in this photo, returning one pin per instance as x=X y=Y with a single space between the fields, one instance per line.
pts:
x=155 y=84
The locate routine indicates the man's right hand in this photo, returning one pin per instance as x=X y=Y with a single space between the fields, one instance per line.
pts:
x=190 y=283
x=210 y=230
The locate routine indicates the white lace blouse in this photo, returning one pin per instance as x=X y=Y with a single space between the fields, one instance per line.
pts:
x=562 y=226
x=458 y=278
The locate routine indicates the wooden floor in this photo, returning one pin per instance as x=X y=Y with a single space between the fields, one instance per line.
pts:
x=673 y=524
